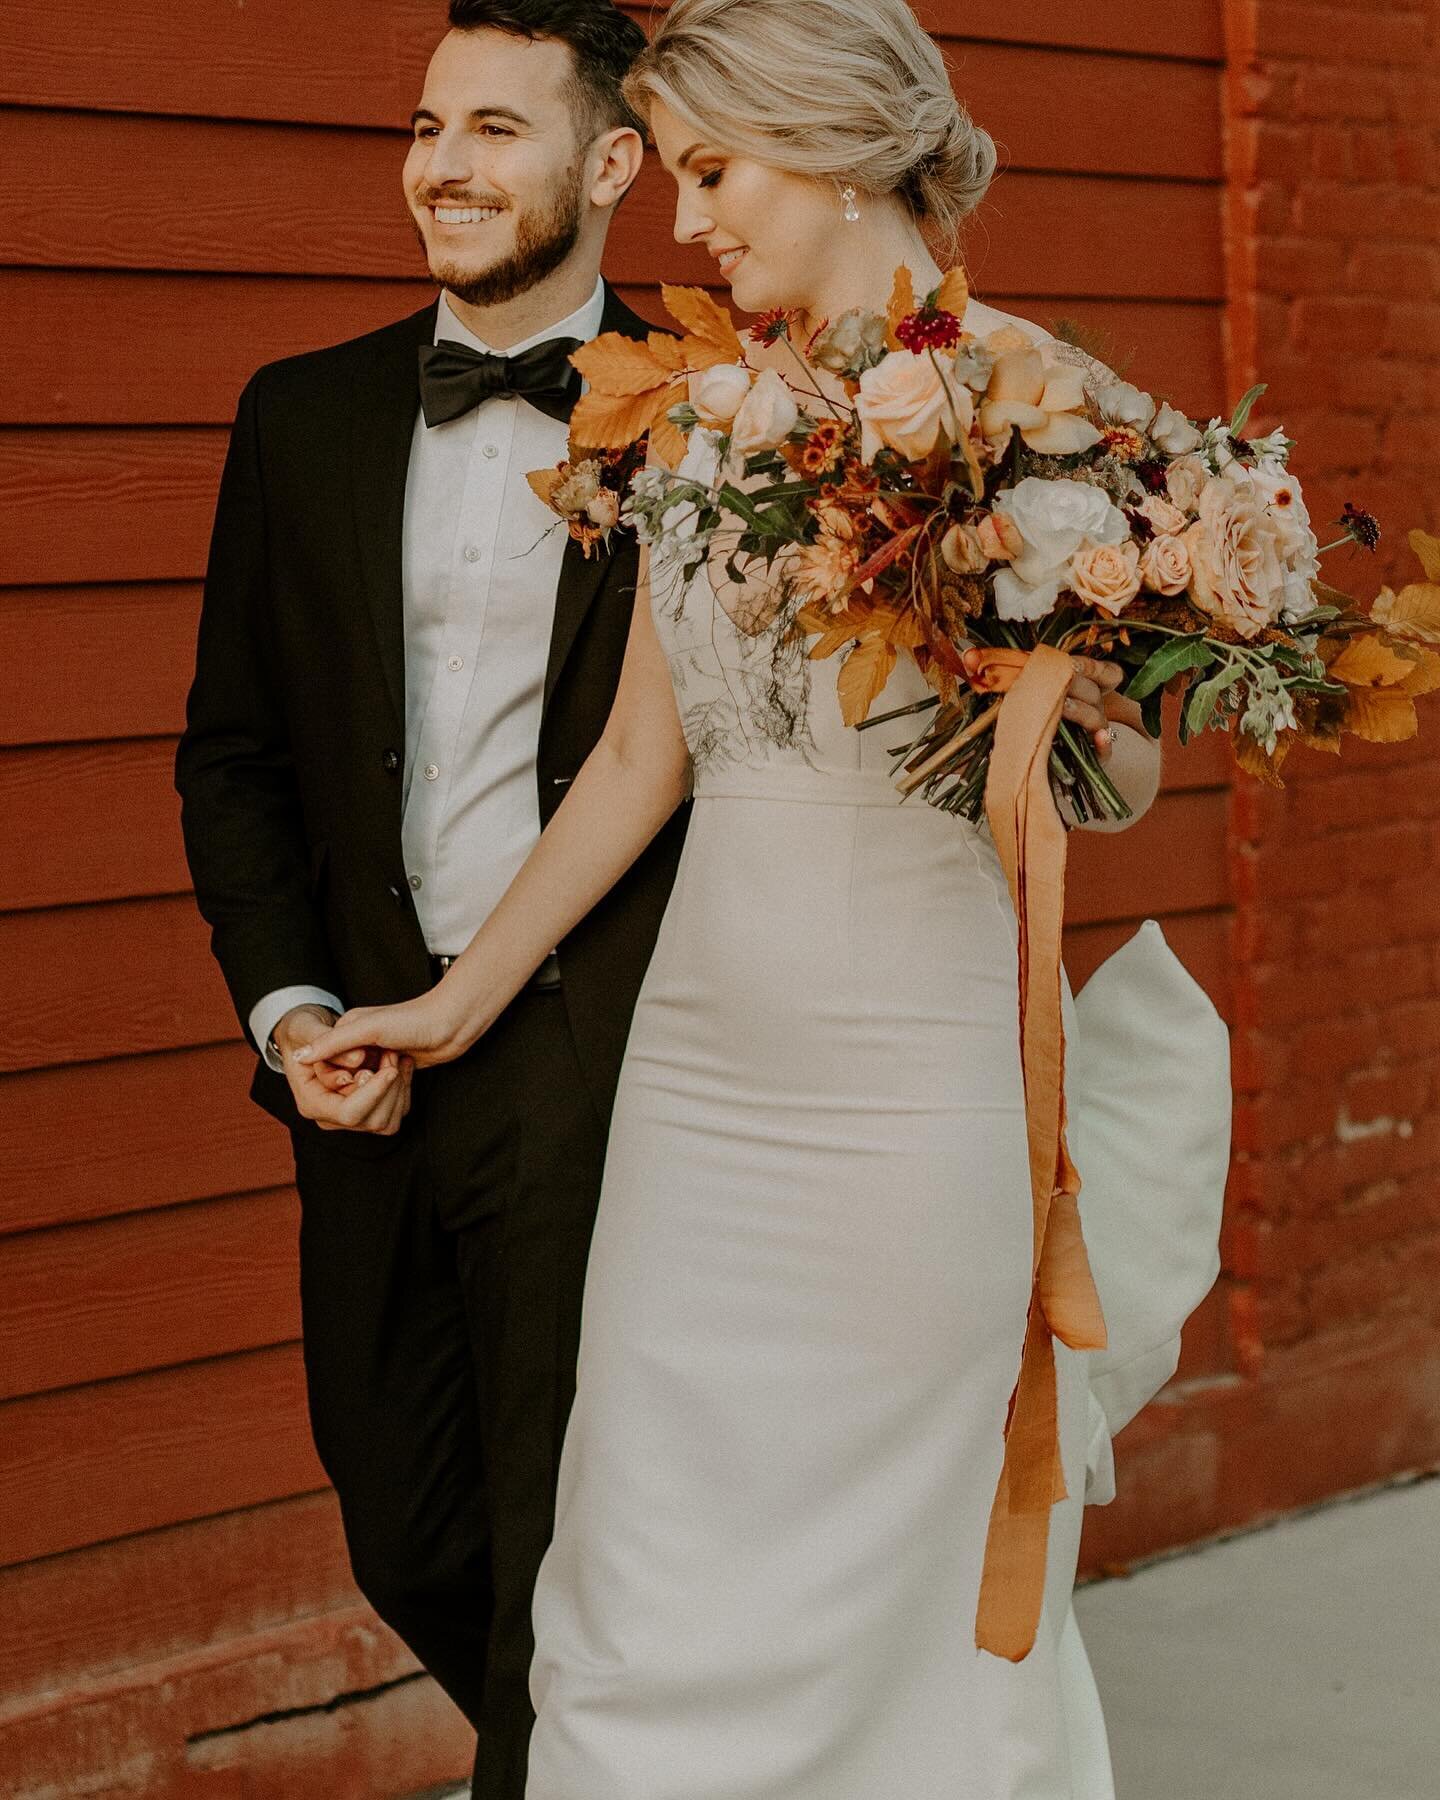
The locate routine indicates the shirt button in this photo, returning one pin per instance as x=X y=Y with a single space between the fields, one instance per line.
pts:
x=432 y=773
x=454 y=662
x=472 y=553
x=491 y=451
x=417 y=882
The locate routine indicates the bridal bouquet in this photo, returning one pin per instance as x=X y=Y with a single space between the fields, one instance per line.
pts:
x=913 y=489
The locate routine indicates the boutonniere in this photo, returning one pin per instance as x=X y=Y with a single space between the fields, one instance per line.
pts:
x=632 y=386
x=588 y=490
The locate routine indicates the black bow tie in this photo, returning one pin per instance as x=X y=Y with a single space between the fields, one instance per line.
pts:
x=454 y=378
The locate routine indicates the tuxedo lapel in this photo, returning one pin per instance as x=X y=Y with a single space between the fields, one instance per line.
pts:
x=582 y=577
x=382 y=426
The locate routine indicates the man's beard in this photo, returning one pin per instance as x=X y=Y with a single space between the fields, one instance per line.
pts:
x=544 y=237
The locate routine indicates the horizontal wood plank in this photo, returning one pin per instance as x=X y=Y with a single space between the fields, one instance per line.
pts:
x=179 y=348
x=1171 y=861
x=103 y=1139
x=284 y=69
x=85 y=664
x=1037 y=233
x=96 y=822
x=183 y=1588
x=92 y=506
x=120 y=1296
x=103 y=1462
x=82 y=983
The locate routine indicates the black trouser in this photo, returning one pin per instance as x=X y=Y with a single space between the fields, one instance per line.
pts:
x=440 y=1277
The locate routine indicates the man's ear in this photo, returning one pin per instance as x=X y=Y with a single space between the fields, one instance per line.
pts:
x=617 y=156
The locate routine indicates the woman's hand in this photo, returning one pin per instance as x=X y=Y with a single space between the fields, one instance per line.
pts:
x=1091 y=701
x=428 y=1030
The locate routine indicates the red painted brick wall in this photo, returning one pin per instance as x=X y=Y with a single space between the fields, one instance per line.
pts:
x=1329 y=1376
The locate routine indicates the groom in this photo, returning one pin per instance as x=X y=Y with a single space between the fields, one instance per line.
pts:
x=399 y=671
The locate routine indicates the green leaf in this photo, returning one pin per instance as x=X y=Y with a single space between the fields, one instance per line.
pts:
x=1241 y=416
x=1173 y=656
x=1150 y=712
x=1205 y=696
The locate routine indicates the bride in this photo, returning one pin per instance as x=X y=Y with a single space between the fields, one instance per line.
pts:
x=808 y=1287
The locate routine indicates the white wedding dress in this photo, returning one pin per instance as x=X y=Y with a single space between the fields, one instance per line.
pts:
x=806 y=1297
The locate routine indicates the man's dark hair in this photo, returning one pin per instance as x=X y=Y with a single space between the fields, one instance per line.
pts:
x=603 y=43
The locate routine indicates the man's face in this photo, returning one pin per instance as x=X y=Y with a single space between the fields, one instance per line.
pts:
x=497 y=174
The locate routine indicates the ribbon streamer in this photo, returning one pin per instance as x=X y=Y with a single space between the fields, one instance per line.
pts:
x=1030 y=839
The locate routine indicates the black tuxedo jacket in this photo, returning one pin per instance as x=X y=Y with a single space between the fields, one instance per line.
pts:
x=291 y=763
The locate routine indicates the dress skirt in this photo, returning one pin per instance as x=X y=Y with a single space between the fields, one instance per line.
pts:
x=803 y=1320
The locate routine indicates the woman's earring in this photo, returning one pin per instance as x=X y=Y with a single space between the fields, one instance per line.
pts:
x=852 y=211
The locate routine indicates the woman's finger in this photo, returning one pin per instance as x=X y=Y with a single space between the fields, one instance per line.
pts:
x=372 y=1091
x=1082 y=688
x=355 y=1030
x=1107 y=675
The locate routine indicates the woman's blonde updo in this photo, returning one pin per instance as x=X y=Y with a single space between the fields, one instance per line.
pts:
x=844 y=90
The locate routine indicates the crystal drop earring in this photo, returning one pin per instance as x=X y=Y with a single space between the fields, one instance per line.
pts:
x=852 y=211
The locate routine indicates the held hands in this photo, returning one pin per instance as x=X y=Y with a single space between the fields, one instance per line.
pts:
x=351 y=1091
x=419 y=1033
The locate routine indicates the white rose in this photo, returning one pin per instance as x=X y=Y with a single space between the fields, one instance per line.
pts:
x=1017 y=599
x=905 y=405
x=717 y=394
x=766 y=417
x=1123 y=404
x=1055 y=518
x=1173 y=432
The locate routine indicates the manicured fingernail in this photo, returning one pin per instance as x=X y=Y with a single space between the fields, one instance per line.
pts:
x=304 y=1056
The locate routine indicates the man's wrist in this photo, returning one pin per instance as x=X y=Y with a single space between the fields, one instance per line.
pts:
x=276 y=1044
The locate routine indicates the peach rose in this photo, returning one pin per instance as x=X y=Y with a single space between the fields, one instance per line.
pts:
x=905 y=405
x=1185 y=481
x=604 y=509
x=1106 y=576
x=1165 y=565
x=1236 y=569
x=717 y=394
x=961 y=551
x=1000 y=538
x=767 y=416
x=1163 y=515
x=1045 y=401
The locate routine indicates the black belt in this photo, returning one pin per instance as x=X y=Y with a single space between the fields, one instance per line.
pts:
x=546 y=977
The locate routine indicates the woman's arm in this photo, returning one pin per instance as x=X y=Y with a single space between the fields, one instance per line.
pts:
x=627 y=788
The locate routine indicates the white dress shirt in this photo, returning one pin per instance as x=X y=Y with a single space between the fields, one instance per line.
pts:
x=481 y=559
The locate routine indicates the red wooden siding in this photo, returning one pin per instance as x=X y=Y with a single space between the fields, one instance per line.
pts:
x=164 y=1526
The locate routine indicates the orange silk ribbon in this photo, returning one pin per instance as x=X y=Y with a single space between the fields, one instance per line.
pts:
x=1030 y=839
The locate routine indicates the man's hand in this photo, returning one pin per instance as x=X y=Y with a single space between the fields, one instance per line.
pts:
x=358 y=1090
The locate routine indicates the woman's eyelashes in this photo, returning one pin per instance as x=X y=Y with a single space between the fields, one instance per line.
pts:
x=710 y=180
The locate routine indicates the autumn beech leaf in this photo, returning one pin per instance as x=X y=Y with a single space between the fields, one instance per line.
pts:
x=1381 y=715
x=909 y=631
x=544 y=482
x=835 y=629
x=1414 y=612
x=616 y=364
x=667 y=350
x=667 y=442
x=611 y=421
x=1424 y=676
x=862 y=677
x=1427 y=548
x=1368 y=662
x=902 y=302
x=1254 y=759
x=703 y=317
x=953 y=295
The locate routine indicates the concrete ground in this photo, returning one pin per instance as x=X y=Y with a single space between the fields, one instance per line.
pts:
x=1301 y=1662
